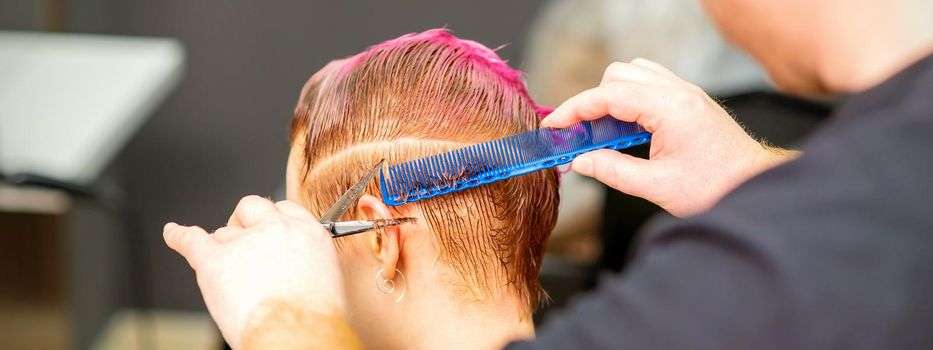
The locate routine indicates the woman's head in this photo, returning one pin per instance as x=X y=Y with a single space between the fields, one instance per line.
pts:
x=407 y=98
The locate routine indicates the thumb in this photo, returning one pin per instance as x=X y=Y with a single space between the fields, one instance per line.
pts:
x=618 y=170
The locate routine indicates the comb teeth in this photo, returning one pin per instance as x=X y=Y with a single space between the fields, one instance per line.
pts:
x=504 y=158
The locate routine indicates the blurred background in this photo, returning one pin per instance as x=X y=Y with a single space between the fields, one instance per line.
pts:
x=119 y=116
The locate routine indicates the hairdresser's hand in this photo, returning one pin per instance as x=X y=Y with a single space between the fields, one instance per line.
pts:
x=698 y=152
x=267 y=256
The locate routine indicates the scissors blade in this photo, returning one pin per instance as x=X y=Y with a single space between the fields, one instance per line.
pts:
x=350 y=196
x=346 y=228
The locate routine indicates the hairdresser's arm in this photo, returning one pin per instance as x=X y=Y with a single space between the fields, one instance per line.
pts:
x=698 y=152
x=270 y=278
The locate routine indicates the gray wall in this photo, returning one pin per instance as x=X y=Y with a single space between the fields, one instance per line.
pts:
x=223 y=133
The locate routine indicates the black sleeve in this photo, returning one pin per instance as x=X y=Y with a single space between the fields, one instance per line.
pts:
x=692 y=288
x=831 y=251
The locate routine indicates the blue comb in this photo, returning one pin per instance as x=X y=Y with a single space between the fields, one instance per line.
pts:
x=504 y=158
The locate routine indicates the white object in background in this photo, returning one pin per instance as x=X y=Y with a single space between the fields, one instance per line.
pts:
x=69 y=102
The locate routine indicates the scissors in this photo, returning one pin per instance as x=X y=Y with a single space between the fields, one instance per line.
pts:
x=349 y=198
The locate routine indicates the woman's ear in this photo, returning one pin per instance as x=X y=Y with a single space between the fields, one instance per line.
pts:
x=386 y=244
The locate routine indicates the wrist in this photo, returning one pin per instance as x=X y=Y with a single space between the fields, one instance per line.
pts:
x=281 y=323
x=775 y=156
x=764 y=159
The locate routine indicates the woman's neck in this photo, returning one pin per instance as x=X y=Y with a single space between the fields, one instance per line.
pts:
x=471 y=327
x=441 y=319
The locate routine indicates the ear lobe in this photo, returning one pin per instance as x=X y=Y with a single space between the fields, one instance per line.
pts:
x=386 y=244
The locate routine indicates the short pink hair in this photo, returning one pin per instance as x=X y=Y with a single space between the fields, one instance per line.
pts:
x=419 y=95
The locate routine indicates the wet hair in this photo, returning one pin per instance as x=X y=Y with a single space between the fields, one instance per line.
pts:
x=416 y=96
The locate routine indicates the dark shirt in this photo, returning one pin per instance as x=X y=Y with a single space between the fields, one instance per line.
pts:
x=831 y=251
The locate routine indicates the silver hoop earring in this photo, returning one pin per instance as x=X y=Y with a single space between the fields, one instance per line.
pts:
x=388 y=286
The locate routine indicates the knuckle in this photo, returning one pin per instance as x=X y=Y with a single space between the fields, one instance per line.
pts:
x=176 y=231
x=616 y=175
x=687 y=99
x=169 y=230
x=196 y=229
x=249 y=200
x=614 y=89
x=619 y=71
x=183 y=239
x=285 y=204
x=170 y=237
x=614 y=67
x=615 y=94
x=604 y=172
x=640 y=60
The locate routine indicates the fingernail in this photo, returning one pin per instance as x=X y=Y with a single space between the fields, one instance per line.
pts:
x=583 y=165
x=169 y=226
